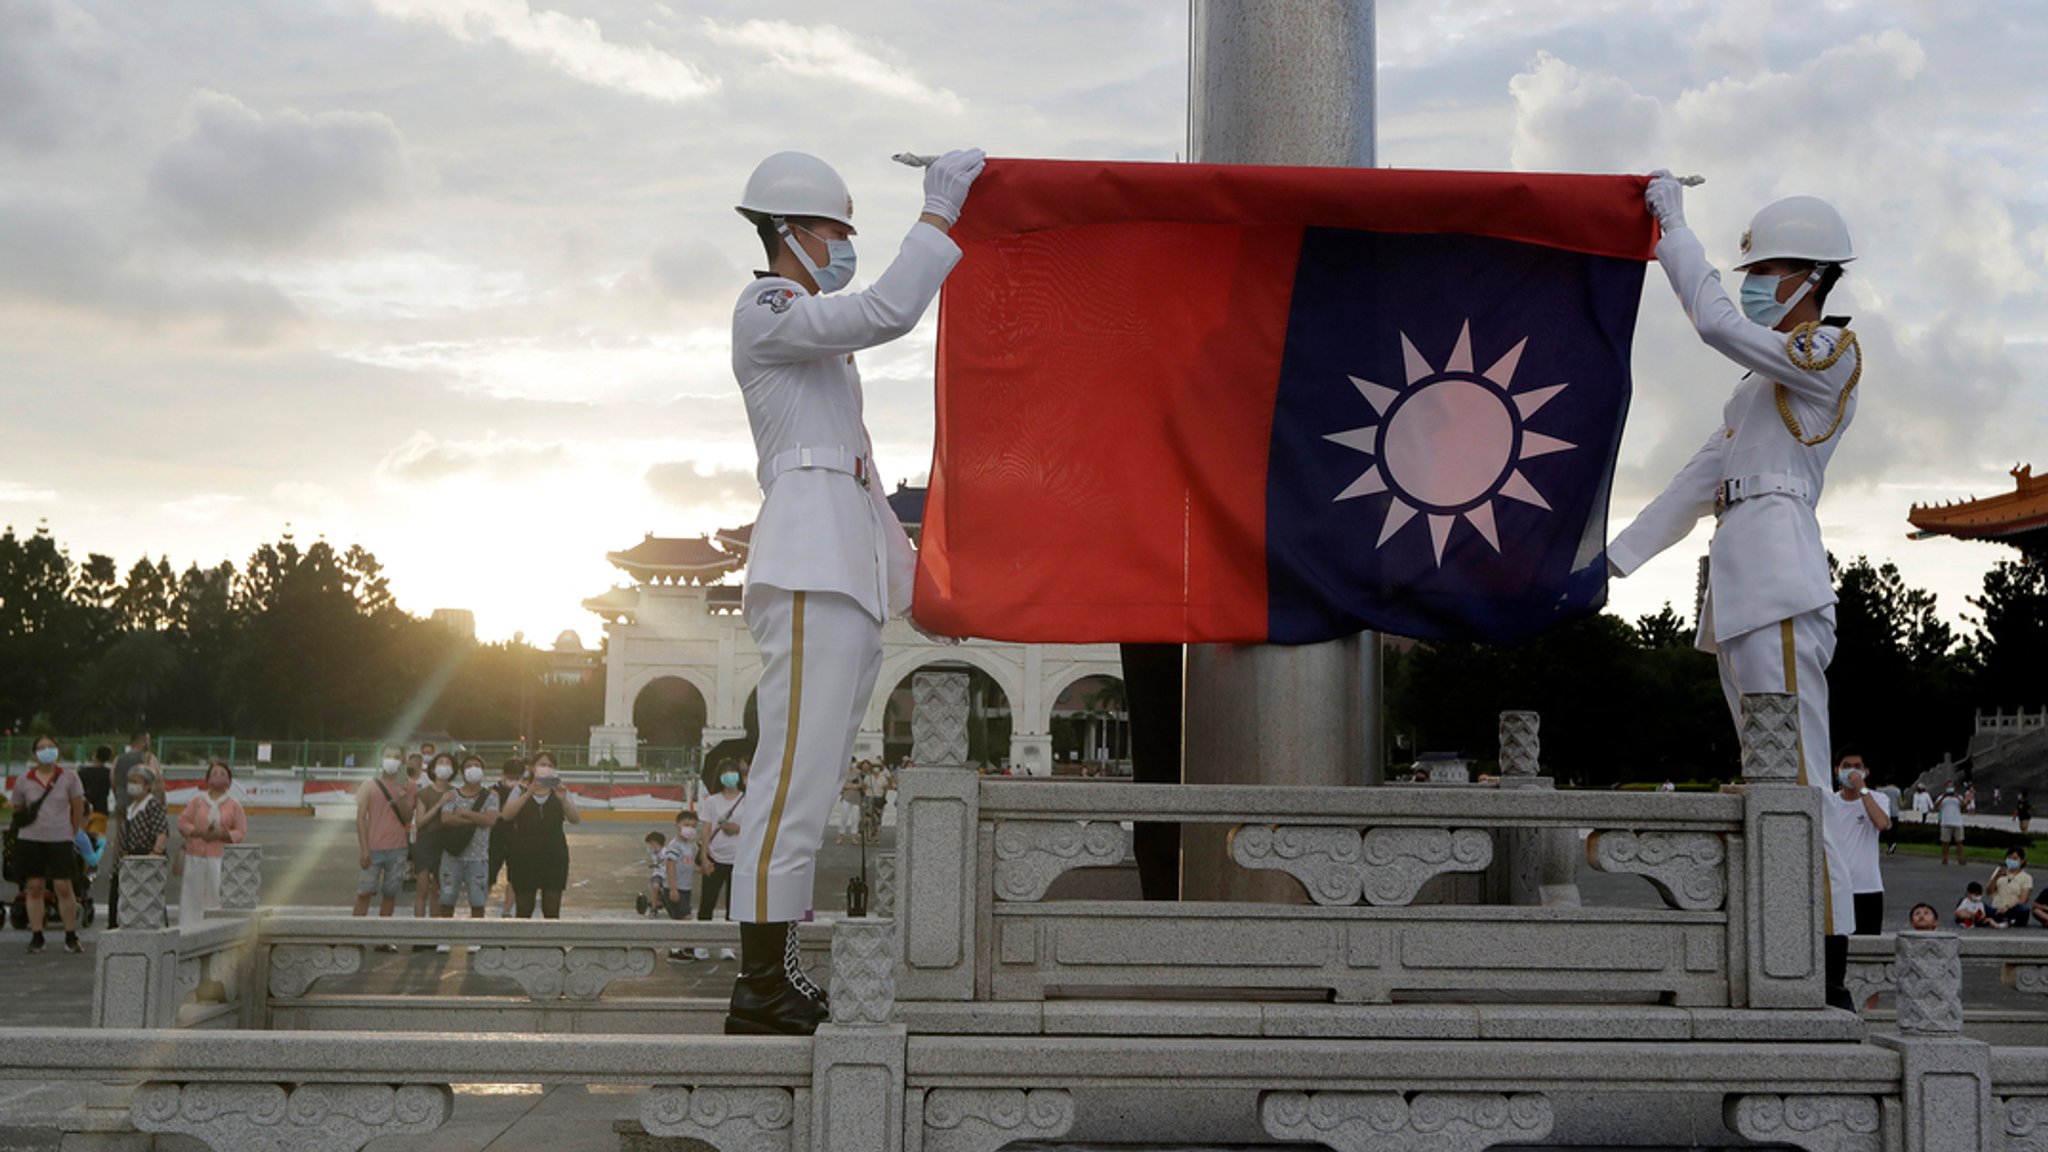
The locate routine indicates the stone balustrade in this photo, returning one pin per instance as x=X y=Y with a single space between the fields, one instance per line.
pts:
x=980 y=855
x=271 y=971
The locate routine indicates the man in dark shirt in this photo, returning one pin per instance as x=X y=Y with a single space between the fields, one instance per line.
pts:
x=98 y=780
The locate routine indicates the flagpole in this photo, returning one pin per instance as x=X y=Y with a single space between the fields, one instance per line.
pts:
x=1278 y=82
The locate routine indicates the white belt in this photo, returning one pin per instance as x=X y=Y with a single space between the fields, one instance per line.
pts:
x=1736 y=489
x=827 y=458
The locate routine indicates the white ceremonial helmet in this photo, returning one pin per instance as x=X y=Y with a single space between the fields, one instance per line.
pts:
x=796 y=184
x=1796 y=228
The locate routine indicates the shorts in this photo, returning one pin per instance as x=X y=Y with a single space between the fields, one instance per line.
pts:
x=1951 y=833
x=426 y=855
x=458 y=875
x=386 y=873
x=46 y=859
x=679 y=908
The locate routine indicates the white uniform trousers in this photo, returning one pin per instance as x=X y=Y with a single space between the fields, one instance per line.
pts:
x=820 y=652
x=1792 y=657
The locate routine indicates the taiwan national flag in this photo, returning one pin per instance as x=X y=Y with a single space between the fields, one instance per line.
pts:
x=1246 y=404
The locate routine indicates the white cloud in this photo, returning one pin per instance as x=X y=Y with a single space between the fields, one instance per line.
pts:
x=574 y=46
x=1567 y=119
x=696 y=485
x=54 y=68
x=570 y=368
x=238 y=176
x=15 y=494
x=829 y=52
x=425 y=458
x=202 y=508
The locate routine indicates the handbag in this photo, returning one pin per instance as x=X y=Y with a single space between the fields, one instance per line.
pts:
x=27 y=816
x=455 y=839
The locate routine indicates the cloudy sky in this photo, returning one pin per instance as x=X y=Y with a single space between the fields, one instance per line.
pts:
x=452 y=278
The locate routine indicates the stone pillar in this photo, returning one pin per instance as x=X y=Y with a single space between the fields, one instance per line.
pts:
x=1781 y=864
x=145 y=880
x=1278 y=82
x=938 y=849
x=1946 y=1096
x=135 y=971
x=241 y=877
x=867 y=744
x=1031 y=753
x=616 y=742
x=857 y=1076
x=1536 y=865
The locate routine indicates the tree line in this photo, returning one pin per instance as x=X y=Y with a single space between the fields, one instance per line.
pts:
x=1637 y=702
x=307 y=643
x=299 y=643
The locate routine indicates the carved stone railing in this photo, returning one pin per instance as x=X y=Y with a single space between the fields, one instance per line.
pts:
x=290 y=971
x=979 y=856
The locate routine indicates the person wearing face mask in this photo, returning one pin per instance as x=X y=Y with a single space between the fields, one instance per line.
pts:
x=384 y=806
x=49 y=810
x=144 y=831
x=467 y=816
x=828 y=562
x=1769 y=612
x=537 y=855
x=2008 y=897
x=426 y=838
x=210 y=822
x=720 y=818
x=1857 y=815
x=1949 y=819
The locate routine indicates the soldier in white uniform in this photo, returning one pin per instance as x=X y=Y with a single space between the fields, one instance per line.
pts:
x=1769 y=612
x=828 y=561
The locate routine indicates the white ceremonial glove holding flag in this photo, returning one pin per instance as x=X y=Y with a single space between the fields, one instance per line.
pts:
x=1666 y=199
x=947 y=180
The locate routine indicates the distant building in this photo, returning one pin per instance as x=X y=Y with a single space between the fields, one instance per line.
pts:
x=679 y=621
x=2018 y=517
x=569 y=662
x=460 y=621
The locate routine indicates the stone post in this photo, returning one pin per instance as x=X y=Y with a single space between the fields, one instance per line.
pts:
x=1781 y=860
x=144 y=882
x=1278 y=82
x=1535 y=865
x=938 y=849
x=1946 y=1095
x=135 y=974
x=857 y=1076
x=241 y=877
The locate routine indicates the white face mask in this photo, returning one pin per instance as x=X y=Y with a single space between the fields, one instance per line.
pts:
x=137 y=790
x=443 y=771
x=2012 y=862
x=840 y=261
x=472 y=775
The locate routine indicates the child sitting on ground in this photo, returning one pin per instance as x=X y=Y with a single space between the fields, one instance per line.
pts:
x=1970 y=911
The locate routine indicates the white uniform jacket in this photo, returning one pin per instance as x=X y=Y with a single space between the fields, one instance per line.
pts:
x=820 y=529
x=1767 y=560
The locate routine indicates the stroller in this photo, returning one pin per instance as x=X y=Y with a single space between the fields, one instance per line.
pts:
x=86 y=853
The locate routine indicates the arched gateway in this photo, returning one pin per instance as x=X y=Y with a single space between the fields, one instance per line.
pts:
x=680 y=619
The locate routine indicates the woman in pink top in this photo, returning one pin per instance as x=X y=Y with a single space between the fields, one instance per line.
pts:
x=209 y=823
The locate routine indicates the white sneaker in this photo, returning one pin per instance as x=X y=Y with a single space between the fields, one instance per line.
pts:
x=701 y=953
x=475 y=948
x=440 y=947
x=727 y=954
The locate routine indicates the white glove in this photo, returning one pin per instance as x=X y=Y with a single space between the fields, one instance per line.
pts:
x=947 y=180
x=1666 y=199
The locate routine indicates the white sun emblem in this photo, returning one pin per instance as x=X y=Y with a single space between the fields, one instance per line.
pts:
x=1448 y=442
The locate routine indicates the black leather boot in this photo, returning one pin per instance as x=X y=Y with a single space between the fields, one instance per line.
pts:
x=764 y=1001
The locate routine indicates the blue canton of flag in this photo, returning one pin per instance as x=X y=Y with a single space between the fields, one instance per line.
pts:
x=1444 y=434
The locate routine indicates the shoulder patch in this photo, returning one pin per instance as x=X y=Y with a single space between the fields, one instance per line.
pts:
x=777 y=299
